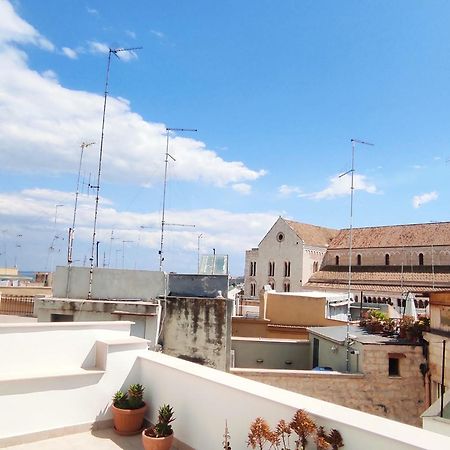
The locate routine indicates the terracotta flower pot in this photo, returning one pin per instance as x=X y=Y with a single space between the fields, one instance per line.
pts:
x=128 y=421
x=153 y=443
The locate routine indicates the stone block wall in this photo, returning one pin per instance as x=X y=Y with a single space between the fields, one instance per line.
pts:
x=400 y=398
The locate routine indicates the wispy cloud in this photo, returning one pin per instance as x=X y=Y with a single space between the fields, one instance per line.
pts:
x=132 y=34
x=242 y=188
x=340 y=186
x=158 y=34
x=286 y=190
x=92 y=11
x=419 y=200
x=98 y=47
x=70 y=52
x=418 y=167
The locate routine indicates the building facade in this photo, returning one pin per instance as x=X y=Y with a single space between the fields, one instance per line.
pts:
x=386 y=261
x=286 y=257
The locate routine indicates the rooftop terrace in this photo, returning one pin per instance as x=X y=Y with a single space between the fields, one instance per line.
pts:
x=57 y=378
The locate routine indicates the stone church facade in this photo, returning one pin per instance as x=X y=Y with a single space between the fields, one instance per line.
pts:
x=386 y=261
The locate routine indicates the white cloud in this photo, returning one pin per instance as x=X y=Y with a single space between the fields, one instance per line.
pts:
x=42 y=125
x=286 y=190
x=70 y=52
x=92 y=11
x=98 y=47
x=50 y=75
x=242 y=188
x=158 y=34
x=132 y=34
x=15 y=29
x=418 y=167
x=419 y=200
x=31 y=213
x=340 y=186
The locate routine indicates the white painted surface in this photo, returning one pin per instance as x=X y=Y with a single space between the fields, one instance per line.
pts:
x=48 y=376
x=204 y=398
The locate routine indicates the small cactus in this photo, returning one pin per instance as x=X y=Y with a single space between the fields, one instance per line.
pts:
x=135 y=396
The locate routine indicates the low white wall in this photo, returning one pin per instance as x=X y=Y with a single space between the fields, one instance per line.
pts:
x=37 y=347
x=40 y=386
x=203 y=399
x=112 y=284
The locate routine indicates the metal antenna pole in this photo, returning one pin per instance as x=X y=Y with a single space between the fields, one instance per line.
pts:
x=72 y=230
x=198 y=251
x=352 y=188
x=166 y=162
x=97 y=188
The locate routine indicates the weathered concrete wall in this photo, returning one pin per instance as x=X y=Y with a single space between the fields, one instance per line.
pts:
x=198 y=330
x=143 y=315
x=271 y=353
x=192 y=285
x=108 y=283
x=401 y=398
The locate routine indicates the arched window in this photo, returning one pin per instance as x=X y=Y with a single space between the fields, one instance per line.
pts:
x=337 y=260
x=287 y=287
x=272 y=285
x=420 y=259
x=252 y=289
x=386 y=259
x=287 y=268
x=271 y=268
x=358 y=260
x=315 y=266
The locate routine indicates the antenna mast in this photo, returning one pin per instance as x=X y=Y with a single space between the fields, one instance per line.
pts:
x=72 y=230
x=163 y=222
x=352 y=188
x=97 y=188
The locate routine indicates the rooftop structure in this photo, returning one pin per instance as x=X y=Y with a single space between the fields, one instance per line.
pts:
x=95 y=359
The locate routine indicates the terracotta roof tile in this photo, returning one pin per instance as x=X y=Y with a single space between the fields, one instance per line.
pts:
x=312 y=234
x=414 y=235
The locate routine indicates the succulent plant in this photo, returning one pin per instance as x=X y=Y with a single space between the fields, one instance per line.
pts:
x=132 y=399
x=163 y=427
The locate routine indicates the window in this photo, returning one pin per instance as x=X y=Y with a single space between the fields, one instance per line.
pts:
x=272 y=285
x=386 y=259
x=280 y=237
x=271 y=268
x=287 y=268
x=358 y=260
x=394 y=367
x=315 y=266
x=337 y=260
x=253 y=268
x=252 y=289
x=420 y=259
x=287 y=287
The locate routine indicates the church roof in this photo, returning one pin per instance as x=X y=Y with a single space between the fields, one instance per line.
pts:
x=413 y=235
x=312 y=234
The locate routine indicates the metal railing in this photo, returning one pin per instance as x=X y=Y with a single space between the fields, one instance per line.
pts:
x=17 y=305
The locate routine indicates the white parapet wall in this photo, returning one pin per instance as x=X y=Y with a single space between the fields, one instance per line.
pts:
x=61 y=376
x=203 y=399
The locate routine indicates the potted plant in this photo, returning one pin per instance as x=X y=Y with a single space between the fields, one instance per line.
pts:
x=128 y=410
x=160 y=435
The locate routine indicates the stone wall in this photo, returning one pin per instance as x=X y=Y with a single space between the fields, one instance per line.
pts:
x=400 y=398
x=198 y=330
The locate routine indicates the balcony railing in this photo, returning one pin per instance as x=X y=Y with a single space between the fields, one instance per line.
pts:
x=17 y=305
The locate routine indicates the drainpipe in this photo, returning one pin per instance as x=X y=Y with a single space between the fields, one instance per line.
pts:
x=443 y=378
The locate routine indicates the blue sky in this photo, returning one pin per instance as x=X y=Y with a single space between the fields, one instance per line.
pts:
x=276 y=91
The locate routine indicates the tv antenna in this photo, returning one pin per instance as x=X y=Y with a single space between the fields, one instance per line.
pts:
x=114 y=52
x=163 y=220
x=352 y=188
x=77 y=193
